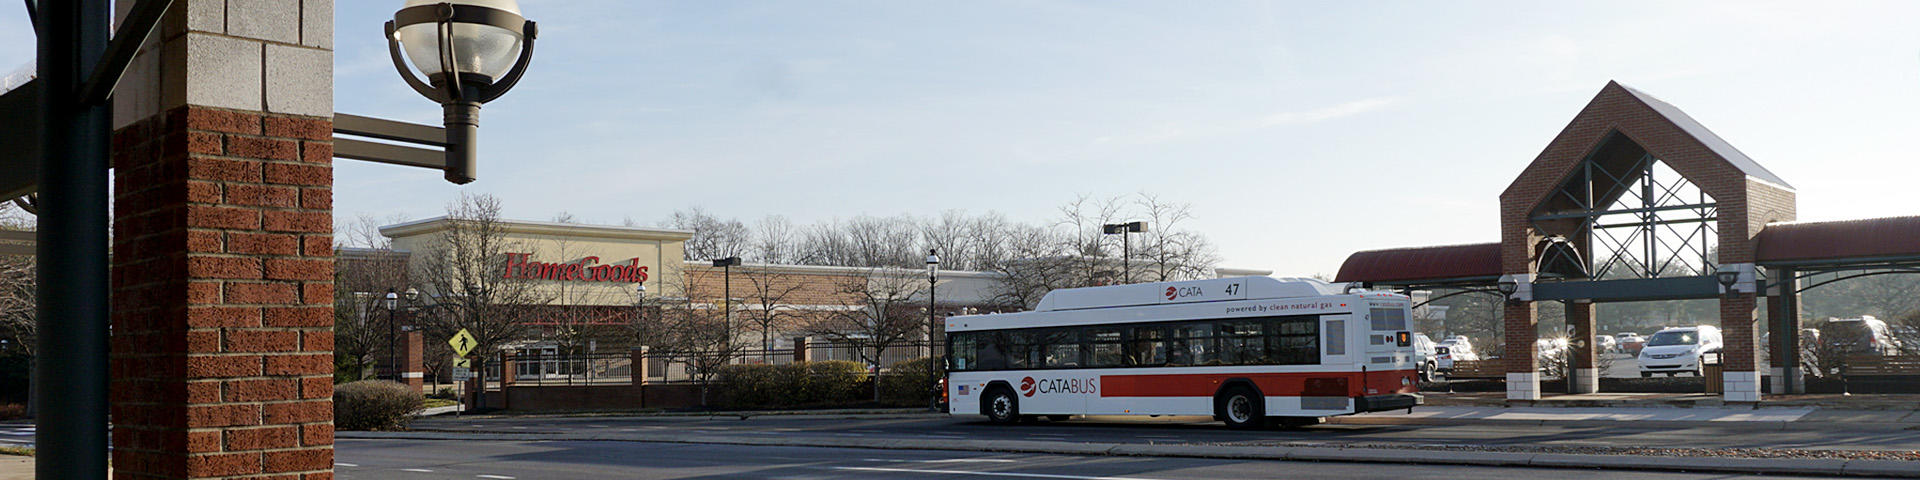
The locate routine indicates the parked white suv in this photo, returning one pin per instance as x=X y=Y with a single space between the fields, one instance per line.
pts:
x=1451 y=349
x=1676 y=350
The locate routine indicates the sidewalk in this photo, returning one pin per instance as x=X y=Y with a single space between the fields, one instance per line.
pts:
x=16 y=467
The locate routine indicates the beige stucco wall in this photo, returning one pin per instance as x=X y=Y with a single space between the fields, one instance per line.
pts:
x=662 y=251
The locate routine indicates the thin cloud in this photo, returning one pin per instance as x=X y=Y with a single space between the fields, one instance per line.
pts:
x=1329 y=113
x=1179 y=132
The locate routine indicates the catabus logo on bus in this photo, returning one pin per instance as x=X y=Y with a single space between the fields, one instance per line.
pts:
x=1172 y=293
x=1029 y=386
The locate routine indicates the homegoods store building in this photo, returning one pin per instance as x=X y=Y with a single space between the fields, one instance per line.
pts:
x=591 y=275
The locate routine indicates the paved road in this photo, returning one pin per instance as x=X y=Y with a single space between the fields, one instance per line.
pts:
x=1191 y=430
x=530 y=460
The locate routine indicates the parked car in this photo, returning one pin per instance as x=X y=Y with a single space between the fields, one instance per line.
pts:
x=1629 y=342
x=1676 y=350
x=1863 y=335
x=1456 y=348
x=1605 y=343
x=1424 y=354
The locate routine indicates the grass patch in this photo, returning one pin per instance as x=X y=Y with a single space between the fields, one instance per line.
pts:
x=440 y=402
x=12 y=450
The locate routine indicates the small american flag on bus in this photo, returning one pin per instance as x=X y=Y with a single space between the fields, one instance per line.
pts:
x=963 y=389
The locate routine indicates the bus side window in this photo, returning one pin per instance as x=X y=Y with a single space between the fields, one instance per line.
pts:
x=1146 y=346
x=1336 y=337
x=1103 y=347
x=965 y=351
x=993 y=351
x=1062 y=347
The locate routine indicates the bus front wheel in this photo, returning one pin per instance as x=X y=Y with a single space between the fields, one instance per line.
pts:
x=1240 y=408
x=1001 y=407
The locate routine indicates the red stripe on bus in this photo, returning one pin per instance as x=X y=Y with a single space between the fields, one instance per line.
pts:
x=1294 y=384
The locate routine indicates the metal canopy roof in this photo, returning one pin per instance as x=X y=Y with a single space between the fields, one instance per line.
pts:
x=1862 y=241
x=1474 y=263
x=1707 y=138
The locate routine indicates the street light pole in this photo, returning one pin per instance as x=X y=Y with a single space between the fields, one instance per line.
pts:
x=933 y=364
x=1126 y=245
x=393 y=364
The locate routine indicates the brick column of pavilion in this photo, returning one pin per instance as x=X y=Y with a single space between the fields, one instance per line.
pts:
x=1521 y=356
x=1583 y=373
x=222 y=257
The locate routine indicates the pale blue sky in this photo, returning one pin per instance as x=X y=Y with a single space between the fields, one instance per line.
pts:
x=1299 y=131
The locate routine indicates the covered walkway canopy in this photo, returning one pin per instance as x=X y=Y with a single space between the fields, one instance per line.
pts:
x=1424 y=267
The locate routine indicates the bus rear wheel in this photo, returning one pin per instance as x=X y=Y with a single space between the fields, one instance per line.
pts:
x=1001 y=407
x=1240 y=408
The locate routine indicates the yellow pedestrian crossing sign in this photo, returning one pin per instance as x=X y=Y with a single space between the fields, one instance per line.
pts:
x=462 y=343
x=463 y=362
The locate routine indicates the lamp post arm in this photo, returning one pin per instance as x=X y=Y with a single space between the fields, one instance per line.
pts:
x=506 y=82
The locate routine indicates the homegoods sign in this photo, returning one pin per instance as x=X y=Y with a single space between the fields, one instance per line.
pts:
x=521 y=265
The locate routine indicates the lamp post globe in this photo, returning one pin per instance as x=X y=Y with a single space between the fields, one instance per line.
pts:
x=471 y=52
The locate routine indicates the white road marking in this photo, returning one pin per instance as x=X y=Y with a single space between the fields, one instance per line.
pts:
x=984 y=474
x=421 y=470
x=941 y=460
x=338 y=464
x=499 y=477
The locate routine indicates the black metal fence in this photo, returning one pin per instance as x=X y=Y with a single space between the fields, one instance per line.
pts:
x=663 y=366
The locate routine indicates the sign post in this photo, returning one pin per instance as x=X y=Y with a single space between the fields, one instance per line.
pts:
x=463 y=343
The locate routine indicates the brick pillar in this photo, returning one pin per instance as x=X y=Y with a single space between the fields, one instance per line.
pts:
x=638 y=356
x=222 y=259
x=801 y=351
x=1739 y=359
x=1583 y=372
x=507 y=370
x=1783 y=319
x=413 y=346
x=1523 y=365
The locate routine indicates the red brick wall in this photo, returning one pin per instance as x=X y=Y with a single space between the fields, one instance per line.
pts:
x=223 y=284
x=1520 y=355
x=1738 y=334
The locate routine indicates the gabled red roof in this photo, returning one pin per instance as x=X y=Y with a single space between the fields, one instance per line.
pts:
x=1862 y=239
x=1432 y=264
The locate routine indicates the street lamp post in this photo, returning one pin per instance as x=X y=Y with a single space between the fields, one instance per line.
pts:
x=1126 y=245
x=393 y=366
x=471 y=51
x=933 y=364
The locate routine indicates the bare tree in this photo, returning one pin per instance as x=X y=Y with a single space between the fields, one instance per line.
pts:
x=712 y=236
x=1168 y=251
x=695 y=329
x=361 y=329
x=775 y=240
x=768 y=304
x=463 y=268
x=883 y=313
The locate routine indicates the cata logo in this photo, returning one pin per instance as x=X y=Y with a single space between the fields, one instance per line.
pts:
x=1172 y=293
x=1078 y=386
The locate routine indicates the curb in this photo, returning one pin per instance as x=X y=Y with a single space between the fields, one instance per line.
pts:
x=1834 y=467
x=862 y=413
x=1761 y=426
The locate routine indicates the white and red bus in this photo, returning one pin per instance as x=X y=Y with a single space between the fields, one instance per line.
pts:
x=1248 y=351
